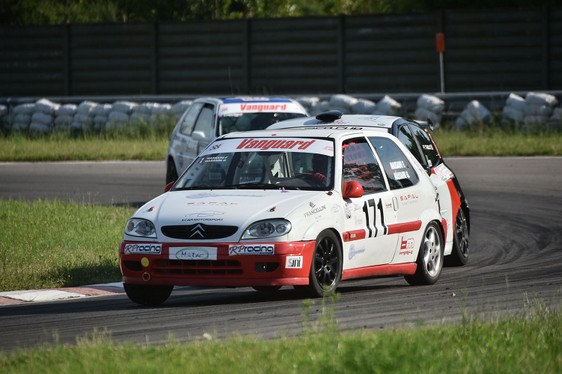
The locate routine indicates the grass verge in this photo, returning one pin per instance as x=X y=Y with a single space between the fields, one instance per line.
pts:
x=49 y=244
x=518 y=344
x=153 y=145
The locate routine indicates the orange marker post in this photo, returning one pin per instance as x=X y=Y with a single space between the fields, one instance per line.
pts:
x=440 y=47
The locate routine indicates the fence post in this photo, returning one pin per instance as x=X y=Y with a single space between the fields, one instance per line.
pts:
x=341 y=53
x=155 y=63
x=546 y=48
x=67 y=61
x=246 y=50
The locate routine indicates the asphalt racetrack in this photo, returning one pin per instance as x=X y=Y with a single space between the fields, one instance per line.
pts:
x=515 y=263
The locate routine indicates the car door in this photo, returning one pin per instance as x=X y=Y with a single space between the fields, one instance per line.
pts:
x=181 y=138
x=367 y=241
x=411 y=197
x=203 y=132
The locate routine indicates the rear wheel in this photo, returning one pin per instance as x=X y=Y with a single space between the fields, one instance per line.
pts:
x=147 y=294
x=430 y=257
x=326 y=267
x=459 y=255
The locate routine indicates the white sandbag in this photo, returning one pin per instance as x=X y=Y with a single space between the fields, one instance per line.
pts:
x=460 y=123
x=67 y=110
x=116 y=117
x=512 y=114
x=39 y=129
x=343 y=103
x=22 y=119
x=538 y=110
x=363 y=106
x=138 y=118
x=27 y=108
x=161 y=109
x=101 y=110
x=123 y=106
x=62 y=122
x=423 y=114
x=538 y=98
x=180 y=107
x=516 y=102
x=431 y=103
x=387 y=106
x=322 y=106
x=46 y=106
x=475 y=113
x=556 y=114
x=86 y=107
x=308 y=102
x=3 y=110
x=143 y=108
x=42 y=118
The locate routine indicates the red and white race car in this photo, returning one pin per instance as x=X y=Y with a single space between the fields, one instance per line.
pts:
x=303 y=207
x=417 y=138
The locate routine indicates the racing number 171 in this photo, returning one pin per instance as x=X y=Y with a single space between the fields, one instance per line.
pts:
x=372 y=227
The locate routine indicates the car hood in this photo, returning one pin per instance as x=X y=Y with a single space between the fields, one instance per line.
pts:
x=237 y=208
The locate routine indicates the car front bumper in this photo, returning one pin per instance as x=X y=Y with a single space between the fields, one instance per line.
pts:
x=216 y=264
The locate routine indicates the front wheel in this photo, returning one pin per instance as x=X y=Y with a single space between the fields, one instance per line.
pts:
x=459 y=256
x=326 y=267
x=147 y=294
x=430 y=257
x=171 y=172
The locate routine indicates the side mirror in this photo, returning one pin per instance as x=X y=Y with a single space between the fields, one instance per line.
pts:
x=169 y=186
x=198 y=135
x=352 y=189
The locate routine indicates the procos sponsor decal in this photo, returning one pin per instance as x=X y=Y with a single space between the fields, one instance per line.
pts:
x=251 y=249
x=144 y=249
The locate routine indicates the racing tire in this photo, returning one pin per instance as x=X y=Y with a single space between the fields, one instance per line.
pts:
x=430 y=257
x=171 y=172
x=267 y=289
x=147 y=294
x=326 y=267
x=459 y=255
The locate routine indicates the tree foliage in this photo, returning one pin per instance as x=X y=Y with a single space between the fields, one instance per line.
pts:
x=49 y=12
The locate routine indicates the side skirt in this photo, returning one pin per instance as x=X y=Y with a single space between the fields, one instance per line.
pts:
x=380 y=271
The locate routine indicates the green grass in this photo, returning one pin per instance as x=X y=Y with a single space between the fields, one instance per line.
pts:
x=529 y=343
x=146 y=144
x=497 y=142
x=48 y=244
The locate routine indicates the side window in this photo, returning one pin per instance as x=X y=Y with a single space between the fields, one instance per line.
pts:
x=405 y=136
x=205 y=122
x=430 y=152
x=360 y=165
x=398 y=169
x=188 y=121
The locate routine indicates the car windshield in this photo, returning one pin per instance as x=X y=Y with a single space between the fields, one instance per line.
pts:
x=233 y=122
x=262 y=163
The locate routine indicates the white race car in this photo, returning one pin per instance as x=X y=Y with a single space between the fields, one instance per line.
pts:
x=209 y=117
x=302 y=207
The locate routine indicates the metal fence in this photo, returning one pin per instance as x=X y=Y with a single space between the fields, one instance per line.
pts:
x=503 y=50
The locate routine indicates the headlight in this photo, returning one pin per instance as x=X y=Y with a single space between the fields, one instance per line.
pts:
x=267 y=229
x=140 y=227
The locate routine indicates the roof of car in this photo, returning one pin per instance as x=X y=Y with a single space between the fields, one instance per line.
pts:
x=316 y=132
x=335 y=118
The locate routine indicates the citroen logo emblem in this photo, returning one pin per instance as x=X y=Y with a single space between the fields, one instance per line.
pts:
x=197 y=230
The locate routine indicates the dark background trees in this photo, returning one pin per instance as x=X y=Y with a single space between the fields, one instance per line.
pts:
x=53 y=12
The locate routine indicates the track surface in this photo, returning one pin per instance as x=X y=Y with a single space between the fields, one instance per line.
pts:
x=516 y=261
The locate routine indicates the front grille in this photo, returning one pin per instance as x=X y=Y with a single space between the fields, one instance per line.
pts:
x=198 y=231
x=199 y=267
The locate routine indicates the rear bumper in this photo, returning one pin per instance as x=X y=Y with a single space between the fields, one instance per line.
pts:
x=216 y=264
